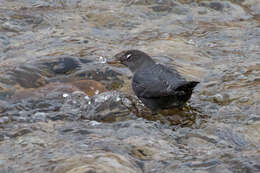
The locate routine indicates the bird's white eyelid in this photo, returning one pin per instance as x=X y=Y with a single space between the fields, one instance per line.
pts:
x=128 y=56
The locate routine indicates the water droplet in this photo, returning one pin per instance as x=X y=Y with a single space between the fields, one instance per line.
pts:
x=191 y=42
x=86 y=97
x=102 y=60
x=94 y=123
x=102 y=98
x=65 y=95
x=126 y=102
x=118 y=99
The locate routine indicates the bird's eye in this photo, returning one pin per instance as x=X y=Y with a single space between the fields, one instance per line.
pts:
x=128 y=56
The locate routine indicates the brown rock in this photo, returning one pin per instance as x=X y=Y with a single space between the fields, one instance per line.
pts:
x=22 y=93
x=90 y=87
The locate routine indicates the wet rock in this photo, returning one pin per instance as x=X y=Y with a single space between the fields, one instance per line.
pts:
x=205 y=164
x=56 y=4
x=234 y=139
x=149 y=2
x=90 y=87
x=253 y=119
x=66 y=102
x=3 y=106
x=146 y=148
x=6 y=169
x=4 y=42
x=173 y=7
x=23 y=118
x=108 y=107
x=243 y=99
x=37 y=102
x=73 y=107
x=180 y=10
x=253 y=5
x=242 y=165
x=221 y=99
x=161 y=8
x=27 y=20
x=231 y=11
x=52 y=91
x=27 y=77
x=20 y=132
x=2 y=137
x=104 y=74
x=40 y=73
x=39 y=116
x=31 y=142
x=134 y=128
x=45 y=4
x=58 y=69
x=97 y=162
x=5 y=94
x=12 y=27
x=198 y=141
x=63 y=65
x=216 y=6
x=180 y=169
x=229 y=112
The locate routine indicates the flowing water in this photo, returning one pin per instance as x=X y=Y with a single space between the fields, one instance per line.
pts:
x=64 y=109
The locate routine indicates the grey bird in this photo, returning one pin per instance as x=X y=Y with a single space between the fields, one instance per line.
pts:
x=157 y=86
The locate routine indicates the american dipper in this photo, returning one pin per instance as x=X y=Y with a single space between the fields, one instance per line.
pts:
x=156 y=85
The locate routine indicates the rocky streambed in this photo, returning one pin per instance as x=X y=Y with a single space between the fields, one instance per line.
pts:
x=64 y=109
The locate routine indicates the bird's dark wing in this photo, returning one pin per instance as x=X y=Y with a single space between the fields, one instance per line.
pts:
x=157 y=81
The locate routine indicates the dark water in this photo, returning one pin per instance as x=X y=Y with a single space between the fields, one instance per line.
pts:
x=64 y=109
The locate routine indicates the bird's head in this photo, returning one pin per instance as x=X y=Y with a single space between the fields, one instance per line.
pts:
x=134 y=59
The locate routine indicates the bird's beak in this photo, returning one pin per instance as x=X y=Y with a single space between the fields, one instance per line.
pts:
x=114 y=61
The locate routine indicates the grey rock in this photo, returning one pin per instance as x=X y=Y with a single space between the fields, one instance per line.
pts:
x=108 y=107
x=12 y=27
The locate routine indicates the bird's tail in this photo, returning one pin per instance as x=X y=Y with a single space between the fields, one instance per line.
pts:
x=188 y=86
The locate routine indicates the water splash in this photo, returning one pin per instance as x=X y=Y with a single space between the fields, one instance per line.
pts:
x=86 y=97
x=102 y=60
x=97 y=92
x=65 y=95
